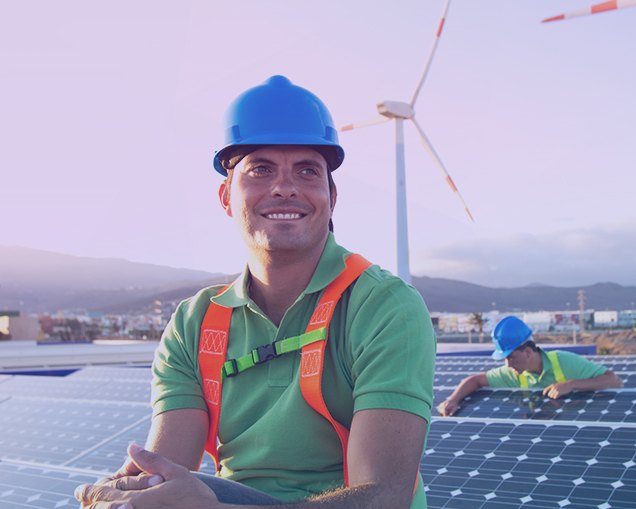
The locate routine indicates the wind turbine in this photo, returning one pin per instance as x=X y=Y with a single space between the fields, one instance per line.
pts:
x=399 y=112
x=594 y=9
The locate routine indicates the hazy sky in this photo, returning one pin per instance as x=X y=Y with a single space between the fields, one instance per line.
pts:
x=110 y=113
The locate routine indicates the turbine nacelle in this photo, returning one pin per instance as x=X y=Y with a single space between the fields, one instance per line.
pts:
x=396 y=109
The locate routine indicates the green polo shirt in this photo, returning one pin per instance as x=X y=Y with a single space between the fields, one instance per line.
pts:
x=380 y=354
x=574 y=367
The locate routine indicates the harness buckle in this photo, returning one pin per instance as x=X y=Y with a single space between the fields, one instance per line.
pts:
x=235 y=370
x=264 y=353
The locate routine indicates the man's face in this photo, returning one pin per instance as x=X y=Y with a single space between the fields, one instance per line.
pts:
x=519 y=360
x=280 y=198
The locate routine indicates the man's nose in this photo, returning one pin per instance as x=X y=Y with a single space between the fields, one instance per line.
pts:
x=284 y=185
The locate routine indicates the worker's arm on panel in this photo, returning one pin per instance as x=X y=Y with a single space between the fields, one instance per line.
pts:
x=608 y=380
x=467 y=386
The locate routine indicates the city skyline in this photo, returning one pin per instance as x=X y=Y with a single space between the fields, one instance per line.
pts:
x=111 y=117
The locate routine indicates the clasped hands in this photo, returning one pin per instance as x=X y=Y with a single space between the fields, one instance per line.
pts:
x=147 y=481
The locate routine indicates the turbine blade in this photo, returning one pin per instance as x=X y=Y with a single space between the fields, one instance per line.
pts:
x=365 y=123
x=594 y=9
x=431 y=53
x=449 y=180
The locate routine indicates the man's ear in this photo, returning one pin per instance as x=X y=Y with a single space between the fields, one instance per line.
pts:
x=224 y=197
x=333 y=196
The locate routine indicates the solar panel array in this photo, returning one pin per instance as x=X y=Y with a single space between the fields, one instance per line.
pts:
x=504 y=448
x=518 y=448
x=59 y=432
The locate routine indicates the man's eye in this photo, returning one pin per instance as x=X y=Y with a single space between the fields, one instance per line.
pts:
x=309 y=171
x=258 y=170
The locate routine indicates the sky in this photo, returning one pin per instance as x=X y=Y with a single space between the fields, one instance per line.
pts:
x=110 y=114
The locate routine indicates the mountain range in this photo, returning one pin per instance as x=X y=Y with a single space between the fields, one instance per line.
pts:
x=35 y=281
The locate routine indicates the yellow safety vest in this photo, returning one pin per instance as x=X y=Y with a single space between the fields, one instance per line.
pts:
x=556 y=368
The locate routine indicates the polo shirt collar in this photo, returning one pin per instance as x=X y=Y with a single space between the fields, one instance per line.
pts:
x=330 y=265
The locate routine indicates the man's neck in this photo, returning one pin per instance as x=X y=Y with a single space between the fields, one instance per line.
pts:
x=276 y=280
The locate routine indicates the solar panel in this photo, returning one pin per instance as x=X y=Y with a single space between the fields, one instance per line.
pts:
x=470 y=463
x=607 y=406
x=31 y=487
x=57 y=432
x=472 y=366
x=76 y=388
x=45 y=386
x=138 y=374
x=448 y=379
x=506 y=449
x=110 y=455
x=452 y=379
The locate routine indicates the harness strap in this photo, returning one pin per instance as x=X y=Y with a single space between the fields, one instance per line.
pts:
x=213 y=342
x=553 y=357
x=556 y=366
x=212 y=352
x=312 y=358
x=270 y=351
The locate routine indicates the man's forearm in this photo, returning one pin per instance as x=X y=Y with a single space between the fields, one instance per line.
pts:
x=467 y=387
x=607 y=380
x=367 y=496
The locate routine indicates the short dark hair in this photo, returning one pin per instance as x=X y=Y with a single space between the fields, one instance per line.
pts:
x=529 y=344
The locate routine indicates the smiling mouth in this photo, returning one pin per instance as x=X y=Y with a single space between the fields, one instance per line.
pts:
x=286 y=216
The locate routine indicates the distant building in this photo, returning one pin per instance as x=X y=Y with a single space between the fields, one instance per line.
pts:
x=16 y=327
x=605 y=319
x=627 y=319
x=539 y=321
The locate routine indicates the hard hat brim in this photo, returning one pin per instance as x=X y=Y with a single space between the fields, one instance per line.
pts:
x=500 y=355
x=264 y=141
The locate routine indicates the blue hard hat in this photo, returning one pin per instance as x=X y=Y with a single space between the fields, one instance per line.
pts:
x=278 y=112
x=508 y=335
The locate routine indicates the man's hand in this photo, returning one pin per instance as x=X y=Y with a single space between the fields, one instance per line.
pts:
x=555 y=391
x=466 y=387
x=128 y=469
x=448 y=407
x=162 y=484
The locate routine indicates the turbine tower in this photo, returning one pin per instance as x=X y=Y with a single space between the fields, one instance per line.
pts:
x=399 y=112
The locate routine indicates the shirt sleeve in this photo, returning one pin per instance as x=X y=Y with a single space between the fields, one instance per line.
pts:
x=502 y=377
x=576 y=367
x=175 y=383
x=392 y=347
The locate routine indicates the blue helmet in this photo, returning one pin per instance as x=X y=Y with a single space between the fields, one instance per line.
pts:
x=508 y=335
x=278 y=112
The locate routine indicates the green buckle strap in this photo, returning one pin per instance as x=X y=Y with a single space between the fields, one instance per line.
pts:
x=264 y=353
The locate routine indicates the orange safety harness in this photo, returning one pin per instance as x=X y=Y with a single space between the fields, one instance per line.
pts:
x=214 y=367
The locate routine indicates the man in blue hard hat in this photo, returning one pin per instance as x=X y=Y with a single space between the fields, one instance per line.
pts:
x=527 y=366
x=239 y=370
